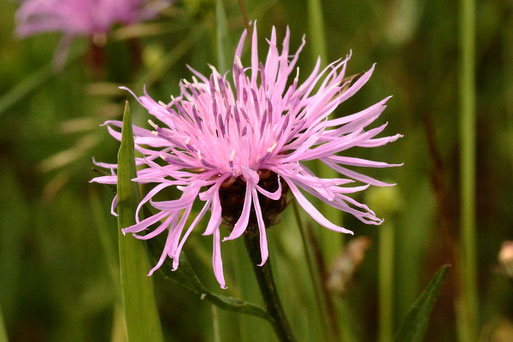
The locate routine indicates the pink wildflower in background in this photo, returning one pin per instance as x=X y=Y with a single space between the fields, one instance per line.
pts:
x=247 y=142
x=81 y=17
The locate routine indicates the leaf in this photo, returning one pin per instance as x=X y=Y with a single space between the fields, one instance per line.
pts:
x=415 y=324
x=223 y=39
x=187 y=278
x=140 y=309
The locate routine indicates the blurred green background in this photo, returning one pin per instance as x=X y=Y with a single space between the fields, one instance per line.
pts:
x=58 y=279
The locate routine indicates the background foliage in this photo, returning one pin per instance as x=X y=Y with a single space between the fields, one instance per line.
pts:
x=58 y=258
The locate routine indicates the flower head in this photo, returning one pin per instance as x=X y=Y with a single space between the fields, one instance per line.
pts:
x=81 y=17
x=249 y=138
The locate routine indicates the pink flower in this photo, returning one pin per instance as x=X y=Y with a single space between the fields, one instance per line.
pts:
x=81 y=17
x=251 y=138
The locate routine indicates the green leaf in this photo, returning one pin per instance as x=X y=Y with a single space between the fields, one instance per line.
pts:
x=223 y=39
x=415 y=324
x=141 y=315
x=187 y=278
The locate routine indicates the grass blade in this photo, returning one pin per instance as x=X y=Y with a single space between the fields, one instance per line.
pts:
x=316 y=28
x=415 y=324
x=140 y=308
x=223 y=39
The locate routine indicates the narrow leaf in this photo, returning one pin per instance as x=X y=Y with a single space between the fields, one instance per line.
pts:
x=140 y=309
x=187 y=278
x=415 y=324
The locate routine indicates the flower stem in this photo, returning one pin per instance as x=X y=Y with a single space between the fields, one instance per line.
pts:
x=215 y=321
x=268 y=289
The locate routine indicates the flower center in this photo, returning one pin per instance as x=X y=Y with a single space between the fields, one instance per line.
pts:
x=232 y=193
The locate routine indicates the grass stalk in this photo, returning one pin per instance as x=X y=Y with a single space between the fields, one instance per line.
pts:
x=316 y=28
x=467 y=312
x=222 y=37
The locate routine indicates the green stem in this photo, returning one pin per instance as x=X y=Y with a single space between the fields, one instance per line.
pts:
x=215 y=321
x=268 y=289
x=386 y=284
x=468 y=297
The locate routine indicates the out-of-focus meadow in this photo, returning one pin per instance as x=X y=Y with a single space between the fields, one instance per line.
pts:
x=58 y=259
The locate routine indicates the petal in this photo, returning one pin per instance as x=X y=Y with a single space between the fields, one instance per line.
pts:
x=360 y=162
x=113 y=205
x=177 y=231
x=216 y=215
x=145 y=223
x=217 y=261
x=312 y=211
x=380 y=141
x=276 y=195
x=176 y=255
x=163 y=255
x=148 y=197
x=158 y=230
x=355 y=175
x=105 y=180
x=264 y=251
x=242 y=222
x=357 y=85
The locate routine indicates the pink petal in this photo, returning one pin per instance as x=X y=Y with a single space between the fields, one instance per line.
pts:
x=217 y=261
x=312 y=211
x=261 y=228
x=242 y=222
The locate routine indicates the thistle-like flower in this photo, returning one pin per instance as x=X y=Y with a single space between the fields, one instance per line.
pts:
x=74 y=18
x=240 y=146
